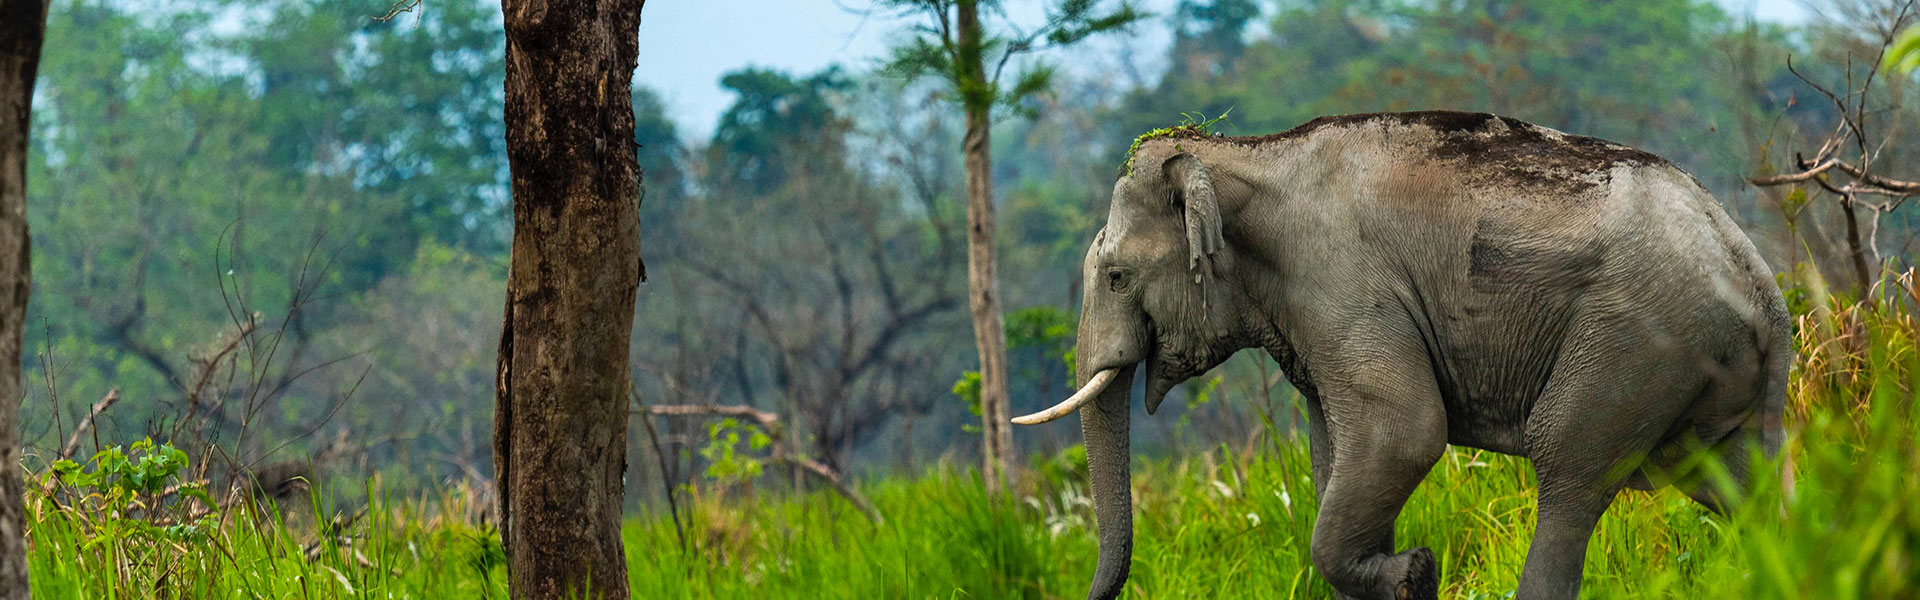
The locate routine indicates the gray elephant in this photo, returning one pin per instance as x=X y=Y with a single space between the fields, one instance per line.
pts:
x=1436 y=278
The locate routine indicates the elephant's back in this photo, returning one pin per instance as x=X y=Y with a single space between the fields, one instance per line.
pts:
x=1487 y=156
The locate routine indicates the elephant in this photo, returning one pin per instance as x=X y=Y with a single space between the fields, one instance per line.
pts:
x=1434 y=278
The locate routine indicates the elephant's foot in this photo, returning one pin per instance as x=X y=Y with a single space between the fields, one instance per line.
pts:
x=1412 y=575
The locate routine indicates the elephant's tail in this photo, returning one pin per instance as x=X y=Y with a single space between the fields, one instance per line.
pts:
x=1778 y=362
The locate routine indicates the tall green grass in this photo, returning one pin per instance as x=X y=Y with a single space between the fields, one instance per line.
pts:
x=407 y=548
x=1228 y=522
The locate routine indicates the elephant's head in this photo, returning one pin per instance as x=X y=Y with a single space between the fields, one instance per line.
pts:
x=1158 y=291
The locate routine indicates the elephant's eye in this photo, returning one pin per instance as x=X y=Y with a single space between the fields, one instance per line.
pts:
x=1116 y=280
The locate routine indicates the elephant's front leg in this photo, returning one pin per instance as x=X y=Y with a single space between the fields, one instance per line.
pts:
x=1383 y=437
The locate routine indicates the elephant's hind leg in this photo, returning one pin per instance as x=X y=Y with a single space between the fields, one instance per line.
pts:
x=1568 y=512
x=1384 y=439
x=1600 y=414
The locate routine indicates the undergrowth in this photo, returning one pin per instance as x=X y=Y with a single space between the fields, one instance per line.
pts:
x=1230 y=522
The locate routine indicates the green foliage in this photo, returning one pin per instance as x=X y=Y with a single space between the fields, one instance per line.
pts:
x=967 y=389
x=1223 y=22
x=1045 y=327
x=115 y=474
x=126 y=490
x=919 y=56
x=1205 y=393
x=1799 y=300
x=780 y=127
x=725 y=463
x=189 y=170
x=970 y=66
x=130 y=499
x=418 y=549
x=1063 y=469
x=1791 y=205
x=1192 y=125
x=1903 y=56
x=1046 y=332
x=1625 y=71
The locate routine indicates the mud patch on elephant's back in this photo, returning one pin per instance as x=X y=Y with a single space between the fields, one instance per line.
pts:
x=1440 y=121
x=1494 y=151
x=1509 y=153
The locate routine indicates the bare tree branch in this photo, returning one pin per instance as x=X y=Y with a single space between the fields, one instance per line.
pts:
x=771 y=424
x=73 y=441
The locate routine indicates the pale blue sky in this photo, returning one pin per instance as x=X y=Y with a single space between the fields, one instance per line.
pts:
x=685 y=45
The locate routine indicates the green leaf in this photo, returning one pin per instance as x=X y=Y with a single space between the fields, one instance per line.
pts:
x=1205 y=392
x=1903 y=56
x=197 y=492
x=1039 y=327
x=1076 y=27
x=918 y=57
x=968 y=389
x=1032 y=81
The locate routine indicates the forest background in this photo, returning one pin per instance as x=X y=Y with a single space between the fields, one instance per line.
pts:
x=287 y=239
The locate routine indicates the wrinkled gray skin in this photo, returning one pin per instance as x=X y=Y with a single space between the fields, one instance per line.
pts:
x=1429 y=279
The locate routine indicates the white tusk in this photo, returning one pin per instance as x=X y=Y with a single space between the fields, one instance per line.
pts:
x=1086 y=394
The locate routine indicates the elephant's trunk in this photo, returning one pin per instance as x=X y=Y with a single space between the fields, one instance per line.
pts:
x=1103 y=424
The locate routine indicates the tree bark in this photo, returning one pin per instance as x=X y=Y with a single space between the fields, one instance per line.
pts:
x=23 y=26
x=983 y=285
x=560 y=423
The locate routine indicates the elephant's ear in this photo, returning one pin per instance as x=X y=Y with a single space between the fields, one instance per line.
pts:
x=1192 y=191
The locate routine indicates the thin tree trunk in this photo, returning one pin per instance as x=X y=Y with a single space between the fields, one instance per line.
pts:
x=23 y=26
x=560 y=422
x=1856 y=250
x=983 y=286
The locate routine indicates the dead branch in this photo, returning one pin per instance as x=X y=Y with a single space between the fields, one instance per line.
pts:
x=207 y=365
x=839 y=485
x=401 y=6
x=73 y=441
x=777 y=434
x=1799 y=177
x=766 y=420
x=660 y=453
x=1891 y=186
x=1851 y=136
x=1865 y=182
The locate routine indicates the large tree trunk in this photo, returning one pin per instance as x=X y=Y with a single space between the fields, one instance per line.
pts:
x=983 y=285
x=560 y=422
x=23 y=25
